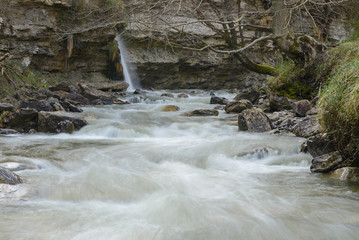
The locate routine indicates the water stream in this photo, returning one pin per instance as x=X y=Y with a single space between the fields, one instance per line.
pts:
x=137 y=172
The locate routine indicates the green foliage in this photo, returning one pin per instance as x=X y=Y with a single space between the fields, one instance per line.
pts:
x=288 y=83
x=339 y=100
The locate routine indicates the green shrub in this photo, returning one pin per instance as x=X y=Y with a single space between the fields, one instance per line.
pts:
x=339 y=100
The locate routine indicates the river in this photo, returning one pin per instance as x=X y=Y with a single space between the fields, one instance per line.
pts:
x=136 y=172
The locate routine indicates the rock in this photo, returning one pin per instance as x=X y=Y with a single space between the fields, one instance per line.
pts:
x=39 y=105
x=69 y=107
x=326 y=163
x=301 y=107
x=218 y=100
x=22 y=119
x=8 y=177
x=102 y=101
x=238 y=106
x=56 y=122
x=7 y=131
x=313 y=111
x=307 y=128
x=93 y=94
x=203 y=112
x=167 y=95
x=6 y=107
x=258 y=153
x=253 y=120
x=218 y=108
x=277 y=103
x=66 y=87
x=75 y=98
x=182 y=95
x=139 y=91
x=346 y=173
x=250 y=94
x=319 y=145
x=170 y=108
x=111 y=86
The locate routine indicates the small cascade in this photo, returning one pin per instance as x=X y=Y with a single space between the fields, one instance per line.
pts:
x=128 y=73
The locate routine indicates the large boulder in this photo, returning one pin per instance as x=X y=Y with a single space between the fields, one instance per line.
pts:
x=238 y=106
x=326 y=163
x=250 y=94
x=57 y=122
x=218 y=100
x=253 y=120
x=96 y=96
x=8 y=177
x=307 y=128
x=301 y=107
x=277 y=103
x=202 y=112
x=21 y=119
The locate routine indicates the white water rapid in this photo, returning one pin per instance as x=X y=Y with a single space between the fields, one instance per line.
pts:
x=138 y=173
x=128 y=71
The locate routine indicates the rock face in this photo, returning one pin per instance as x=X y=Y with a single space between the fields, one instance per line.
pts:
x=31 y=32
x=8 y=177
x=326 y=163
x=56 y=122
x=253 y=120
x=238 y=106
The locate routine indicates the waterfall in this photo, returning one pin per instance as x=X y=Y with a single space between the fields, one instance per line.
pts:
x=128 y=72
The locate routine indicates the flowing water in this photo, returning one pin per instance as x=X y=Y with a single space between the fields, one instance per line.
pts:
x=137 y=172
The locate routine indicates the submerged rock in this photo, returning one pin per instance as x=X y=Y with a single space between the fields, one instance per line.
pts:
x=167 y=95
x=8 y=177
x=238 y=106
x=203 y=112
x=253 y=120
x=182 y=95
x=170 y=108
x=57 y=122
x=326 y=163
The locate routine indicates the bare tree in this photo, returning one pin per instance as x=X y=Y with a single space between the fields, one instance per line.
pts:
x=178 y=23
